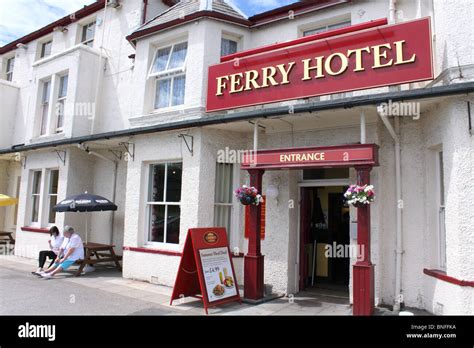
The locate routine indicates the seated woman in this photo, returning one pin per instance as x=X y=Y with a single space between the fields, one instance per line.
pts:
x=55 y=242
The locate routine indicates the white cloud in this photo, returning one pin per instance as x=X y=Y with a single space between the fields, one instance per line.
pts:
x=21 y=17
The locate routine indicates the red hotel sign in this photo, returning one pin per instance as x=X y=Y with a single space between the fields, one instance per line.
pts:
x=382 y=56
x=327 y=156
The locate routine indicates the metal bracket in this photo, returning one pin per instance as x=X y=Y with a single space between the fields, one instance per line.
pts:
x=259 y=125
x=117 y=154
x=61 y=158
x=183 y=136
x=129 y=149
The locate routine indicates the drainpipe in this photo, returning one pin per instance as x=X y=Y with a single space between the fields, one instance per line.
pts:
x=392 y=11
x=115 y=163
x=399 y=205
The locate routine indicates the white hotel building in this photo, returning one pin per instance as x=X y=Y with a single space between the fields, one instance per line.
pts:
x=132 y=75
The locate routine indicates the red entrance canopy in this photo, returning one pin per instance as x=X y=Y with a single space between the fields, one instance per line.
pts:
x=313 y=157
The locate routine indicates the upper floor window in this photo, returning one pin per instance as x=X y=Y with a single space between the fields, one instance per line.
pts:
x=9 y=68
x=61 y=103
x=228 y=46
x=88 y=33
x=163 y=205
x=169 y=69
x=52 y=104
x=46 y=49
x=45 y=107
x=327 y=28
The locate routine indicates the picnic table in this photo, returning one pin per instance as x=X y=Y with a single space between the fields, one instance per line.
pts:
x=101 y=252
x=7 y=238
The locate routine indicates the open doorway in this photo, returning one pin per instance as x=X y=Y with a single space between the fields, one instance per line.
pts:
x=324 y=231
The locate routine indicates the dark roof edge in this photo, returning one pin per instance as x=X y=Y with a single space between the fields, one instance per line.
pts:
x=83 y=12
x=178 y=21
x=343 y=103
x=299 y=8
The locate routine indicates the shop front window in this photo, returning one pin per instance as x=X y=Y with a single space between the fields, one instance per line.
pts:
x=164 y=199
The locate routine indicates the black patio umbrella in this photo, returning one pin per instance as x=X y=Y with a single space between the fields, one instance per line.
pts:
x=84 y=202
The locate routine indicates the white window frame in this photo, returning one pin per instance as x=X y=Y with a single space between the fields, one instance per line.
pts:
x=88 y=42
x=327 y=27
x=49 y=195
x=441 y=209
x=43 y=197
x=231 y=204
x=230 y=38
x=236 y=210
x=149 y=204
x=170 y=101
x=61 y=100
x=42 y=49
x=44 y=119
x=9 y=68
x=168 y=74
x=32 y=195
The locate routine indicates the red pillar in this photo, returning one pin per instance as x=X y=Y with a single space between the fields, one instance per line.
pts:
x=363 y=269
x=253 y=260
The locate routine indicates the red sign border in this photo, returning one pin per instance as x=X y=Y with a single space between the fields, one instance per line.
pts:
x=339 y=91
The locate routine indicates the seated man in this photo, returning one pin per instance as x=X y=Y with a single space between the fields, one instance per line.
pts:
x=73 y=250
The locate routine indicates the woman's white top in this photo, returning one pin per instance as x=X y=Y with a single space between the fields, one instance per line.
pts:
x=56 y=243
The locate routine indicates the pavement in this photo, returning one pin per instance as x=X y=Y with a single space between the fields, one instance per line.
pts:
x=105 y=292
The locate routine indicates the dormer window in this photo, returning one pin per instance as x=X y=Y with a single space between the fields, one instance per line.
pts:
x=169 y=70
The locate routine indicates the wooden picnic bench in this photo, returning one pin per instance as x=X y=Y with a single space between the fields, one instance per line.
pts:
x=6 y=238
x=101 y=252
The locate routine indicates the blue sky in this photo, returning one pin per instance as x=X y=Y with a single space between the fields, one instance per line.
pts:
x=26 y=16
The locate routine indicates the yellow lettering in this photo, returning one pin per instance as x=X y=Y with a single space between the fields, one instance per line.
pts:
x=251 y=77
x=378 y=55
x=344 y=64
x=268 y=74
x=358 y=57
x=285 y=72
x=399 y=56
x=235 y=82
x=308 y=68
x=221 y=84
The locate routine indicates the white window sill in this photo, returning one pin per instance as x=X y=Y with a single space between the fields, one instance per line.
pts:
x=162 y=246
x=47 y=137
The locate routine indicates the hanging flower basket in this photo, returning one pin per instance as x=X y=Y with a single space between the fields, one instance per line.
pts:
x=360 y=196
x=248 y=195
